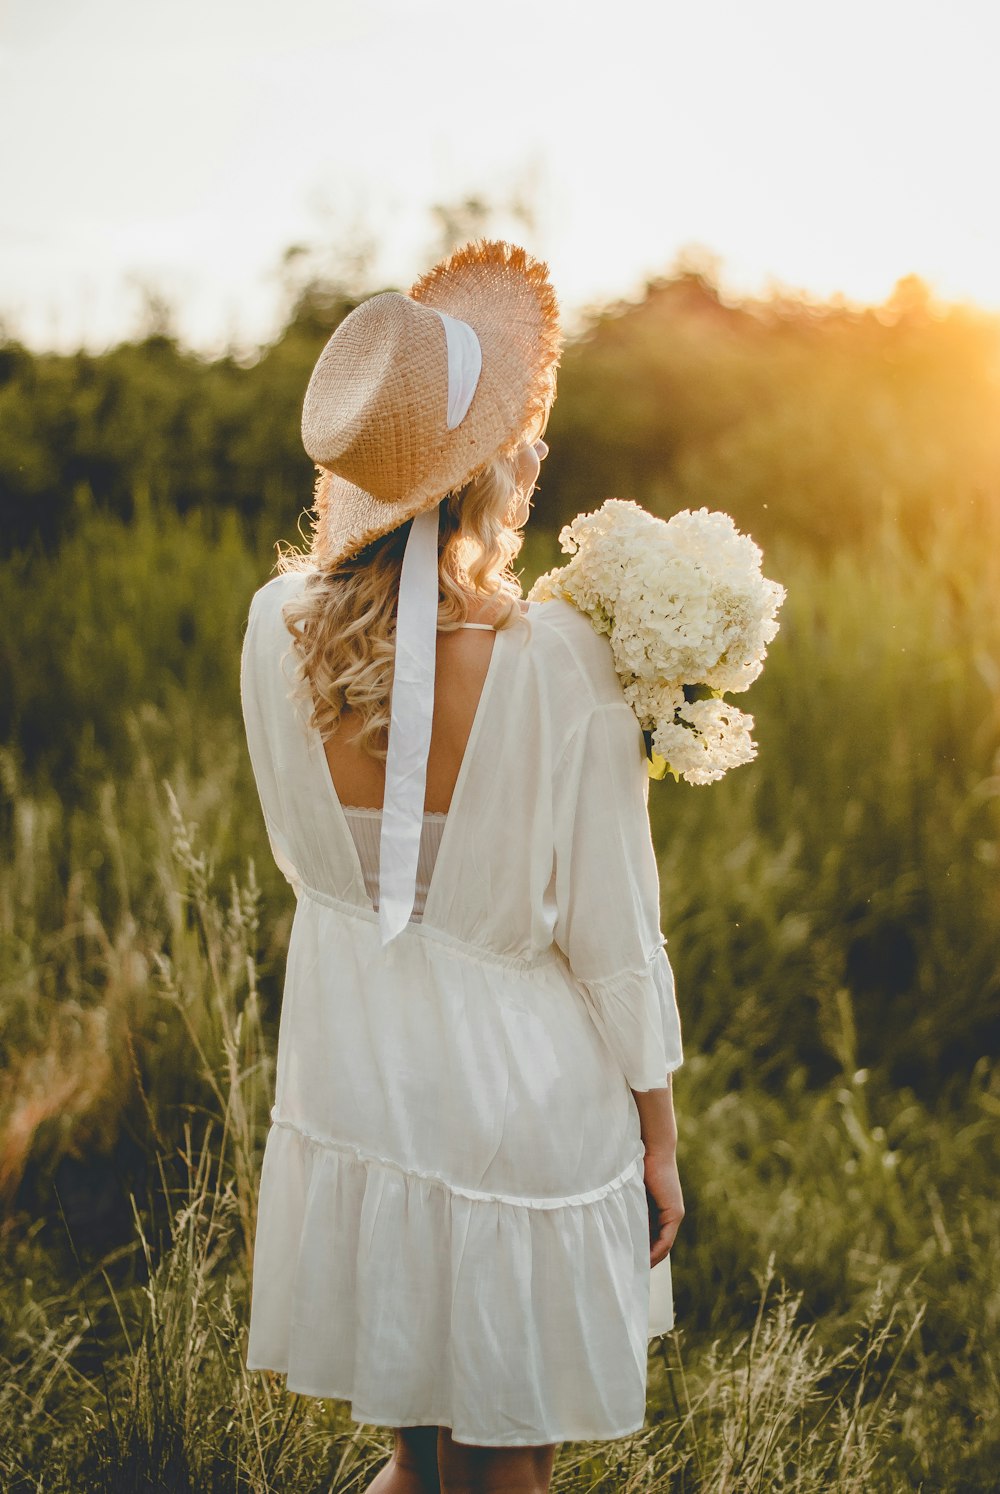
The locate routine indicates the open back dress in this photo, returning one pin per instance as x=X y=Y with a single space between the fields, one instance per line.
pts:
x=452 y=1226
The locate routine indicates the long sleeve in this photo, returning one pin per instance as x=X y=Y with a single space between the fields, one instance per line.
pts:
x=607 y=894
x=255 y=710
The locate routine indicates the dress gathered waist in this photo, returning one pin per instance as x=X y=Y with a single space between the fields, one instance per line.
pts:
x=462 y=947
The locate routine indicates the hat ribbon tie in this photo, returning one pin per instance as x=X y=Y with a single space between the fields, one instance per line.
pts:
x=412 y=703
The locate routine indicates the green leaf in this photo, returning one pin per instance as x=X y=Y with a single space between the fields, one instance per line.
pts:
x=657 y=766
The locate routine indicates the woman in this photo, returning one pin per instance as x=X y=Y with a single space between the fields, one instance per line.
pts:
x=478 y=1025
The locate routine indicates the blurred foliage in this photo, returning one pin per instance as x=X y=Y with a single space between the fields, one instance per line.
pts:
x=831 y=910
x=862 y=449
x=808 y=422
x=860 y=851
x=101 y=432
x=813 y=423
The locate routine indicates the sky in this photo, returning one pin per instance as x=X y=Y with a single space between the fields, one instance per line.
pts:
x=178 y=151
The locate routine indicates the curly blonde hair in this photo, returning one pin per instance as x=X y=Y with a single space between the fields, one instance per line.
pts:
x=343 y=624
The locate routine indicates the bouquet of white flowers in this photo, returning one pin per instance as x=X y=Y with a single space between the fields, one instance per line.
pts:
x=689 y=615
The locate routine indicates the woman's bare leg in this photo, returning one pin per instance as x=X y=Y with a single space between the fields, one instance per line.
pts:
x=413 y=1466
x=493 y=1470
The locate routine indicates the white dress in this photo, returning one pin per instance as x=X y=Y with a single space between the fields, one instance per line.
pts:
x=452 y=1224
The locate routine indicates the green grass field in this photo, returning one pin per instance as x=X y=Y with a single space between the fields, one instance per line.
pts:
x=832 y=910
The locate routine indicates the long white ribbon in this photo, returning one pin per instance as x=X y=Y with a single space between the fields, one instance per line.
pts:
x=412 y=706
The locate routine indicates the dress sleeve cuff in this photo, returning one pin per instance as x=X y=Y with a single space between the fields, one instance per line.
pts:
x=636 y=1013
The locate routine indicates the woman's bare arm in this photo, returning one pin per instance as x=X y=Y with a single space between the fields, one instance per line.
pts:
x=658 y=1127
x=657 y=1122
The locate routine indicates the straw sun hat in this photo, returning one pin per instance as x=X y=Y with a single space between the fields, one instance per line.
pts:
x=377 y=408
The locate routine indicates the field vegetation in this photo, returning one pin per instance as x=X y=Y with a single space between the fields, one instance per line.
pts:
x=831 y=909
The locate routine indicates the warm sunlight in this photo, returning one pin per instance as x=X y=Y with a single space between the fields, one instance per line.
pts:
x=832 y=151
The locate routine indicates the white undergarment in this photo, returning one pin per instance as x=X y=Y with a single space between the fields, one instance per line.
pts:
x=366 y=827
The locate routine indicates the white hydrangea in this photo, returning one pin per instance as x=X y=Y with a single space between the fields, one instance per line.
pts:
x=653 y=701
x=709 y=738
x=684 y=603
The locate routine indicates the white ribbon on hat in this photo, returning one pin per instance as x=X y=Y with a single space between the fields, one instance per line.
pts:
x=412 y=706
x=465 y=364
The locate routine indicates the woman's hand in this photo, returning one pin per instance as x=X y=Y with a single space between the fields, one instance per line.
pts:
x=666 y=1203
x=658 y=1128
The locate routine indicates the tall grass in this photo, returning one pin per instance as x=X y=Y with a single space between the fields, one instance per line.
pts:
x=131 y=1376
x=831 y=916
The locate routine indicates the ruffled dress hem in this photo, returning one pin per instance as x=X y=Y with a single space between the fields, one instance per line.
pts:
x=344 y=1239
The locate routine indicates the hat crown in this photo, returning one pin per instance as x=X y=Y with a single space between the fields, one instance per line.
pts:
x=376 y=412
x=376 y=405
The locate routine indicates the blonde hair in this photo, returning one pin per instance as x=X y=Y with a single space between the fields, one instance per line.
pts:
x=343 y=624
